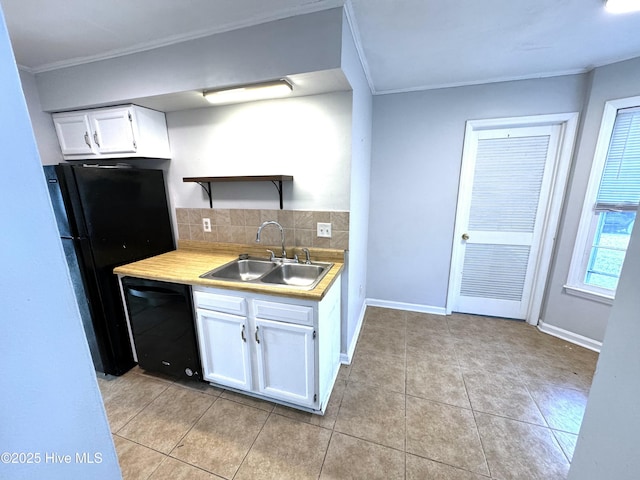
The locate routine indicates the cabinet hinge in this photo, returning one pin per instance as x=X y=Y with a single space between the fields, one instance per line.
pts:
x=314 y=334
x=130 y=117
x=315 y=397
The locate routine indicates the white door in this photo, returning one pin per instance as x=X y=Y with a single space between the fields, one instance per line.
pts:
x=286 y=365
x=224 y=349
x=113 y=131
x=505 y=193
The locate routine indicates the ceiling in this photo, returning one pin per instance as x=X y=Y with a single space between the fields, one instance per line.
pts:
x=405 y=45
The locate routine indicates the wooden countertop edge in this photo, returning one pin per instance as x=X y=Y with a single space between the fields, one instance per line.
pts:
x=192 y=259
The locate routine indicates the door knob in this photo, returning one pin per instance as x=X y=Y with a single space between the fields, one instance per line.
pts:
x=465 y=236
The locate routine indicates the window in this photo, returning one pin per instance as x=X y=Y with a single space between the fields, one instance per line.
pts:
x=610 y=207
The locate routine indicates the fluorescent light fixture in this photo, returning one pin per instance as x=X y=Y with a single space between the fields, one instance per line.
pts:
x=622 y=6
x=247 y=93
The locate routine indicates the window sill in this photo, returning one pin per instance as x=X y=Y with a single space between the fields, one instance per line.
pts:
x=589 y=295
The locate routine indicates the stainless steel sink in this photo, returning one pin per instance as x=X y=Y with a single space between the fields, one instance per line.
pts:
x=295 y=274
x=243 y=270
x=263 y=271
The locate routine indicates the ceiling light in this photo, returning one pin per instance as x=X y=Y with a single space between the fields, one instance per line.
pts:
x=248 y=93
x=622 y=6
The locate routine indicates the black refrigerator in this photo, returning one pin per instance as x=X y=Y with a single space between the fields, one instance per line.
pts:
x=107 y=216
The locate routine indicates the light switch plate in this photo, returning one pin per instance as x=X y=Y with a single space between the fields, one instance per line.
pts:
x=324 y=230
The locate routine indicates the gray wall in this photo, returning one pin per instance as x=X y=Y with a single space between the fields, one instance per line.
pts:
x=607 y=445
x=415 y=171
x=416 y=159
x=300 y=44
x=578 y=315
x=50 y=400
x=41 y=122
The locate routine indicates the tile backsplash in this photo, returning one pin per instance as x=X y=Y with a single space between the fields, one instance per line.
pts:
x=241 y=225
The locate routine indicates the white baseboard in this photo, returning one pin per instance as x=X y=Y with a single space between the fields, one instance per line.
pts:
x=585 y=342
x=411 y=307
x=347 y=357
x=571 y=337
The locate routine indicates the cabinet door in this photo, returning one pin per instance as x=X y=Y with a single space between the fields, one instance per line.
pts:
x=113 y=131
x=74 y=134
x=223 y=348
x=286 y=361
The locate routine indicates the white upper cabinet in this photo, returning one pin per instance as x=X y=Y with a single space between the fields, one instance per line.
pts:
x=73 y=134
x=112 y=132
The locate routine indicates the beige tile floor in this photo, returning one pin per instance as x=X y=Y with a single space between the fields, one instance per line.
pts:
x=426 y=397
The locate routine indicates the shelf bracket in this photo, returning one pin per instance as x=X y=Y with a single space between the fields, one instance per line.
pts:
x=207 y=189
x=279 y=188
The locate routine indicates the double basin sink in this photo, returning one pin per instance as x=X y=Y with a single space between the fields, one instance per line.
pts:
x=263 y=271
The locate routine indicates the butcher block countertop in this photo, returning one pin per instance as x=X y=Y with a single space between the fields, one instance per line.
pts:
x=193 y=258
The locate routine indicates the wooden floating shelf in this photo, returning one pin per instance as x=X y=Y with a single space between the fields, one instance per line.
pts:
x=275 y=179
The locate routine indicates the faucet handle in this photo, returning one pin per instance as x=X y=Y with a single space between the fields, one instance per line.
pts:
x=272 y=255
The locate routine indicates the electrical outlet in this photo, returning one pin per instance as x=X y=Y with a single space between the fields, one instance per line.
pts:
x=206 y=224
x=324 y=230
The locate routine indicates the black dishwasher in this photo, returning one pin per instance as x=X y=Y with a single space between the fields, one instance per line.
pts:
x=161 y=319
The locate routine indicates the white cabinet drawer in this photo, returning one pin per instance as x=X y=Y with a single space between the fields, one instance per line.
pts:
x=283 y=312
x=221 y=303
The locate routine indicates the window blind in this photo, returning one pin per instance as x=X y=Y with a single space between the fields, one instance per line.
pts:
x=620 y=184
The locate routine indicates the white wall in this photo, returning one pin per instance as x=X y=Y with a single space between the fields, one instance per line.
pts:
x=300 y=44
x=585 y=317
x=417 y=151
x=307 y=137
x=607 y=445
x=50 y=402
x=355 y=289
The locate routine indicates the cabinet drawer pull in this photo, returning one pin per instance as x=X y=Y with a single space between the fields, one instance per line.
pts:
x=257 y=339
x=244 y=339
x=86 y=139
x=95 y=138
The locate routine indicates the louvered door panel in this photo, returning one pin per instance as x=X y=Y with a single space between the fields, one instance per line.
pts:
x=506 y=184
x=495 y=271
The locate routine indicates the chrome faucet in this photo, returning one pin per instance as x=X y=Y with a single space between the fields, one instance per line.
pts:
x=273 y=222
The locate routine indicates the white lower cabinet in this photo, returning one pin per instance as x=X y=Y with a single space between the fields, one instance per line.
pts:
x=276 y=348
x=225 y=353
x=286 y=361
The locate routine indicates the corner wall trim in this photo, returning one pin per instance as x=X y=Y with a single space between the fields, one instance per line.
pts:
x=574 y=338
x=411 y=307
x=346 y=358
